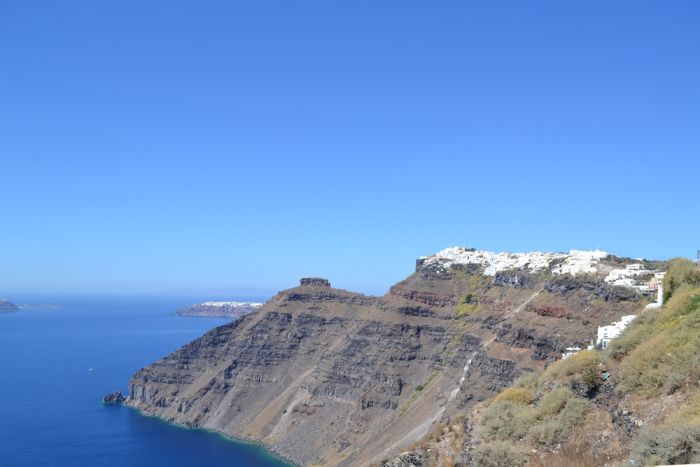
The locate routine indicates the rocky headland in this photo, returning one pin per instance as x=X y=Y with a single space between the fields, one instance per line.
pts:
x=6 y=305
x=220 y=309
x=328 y=376
x=114 y=398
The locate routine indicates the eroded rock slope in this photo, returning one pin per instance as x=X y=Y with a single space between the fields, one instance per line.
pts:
x=326 y=376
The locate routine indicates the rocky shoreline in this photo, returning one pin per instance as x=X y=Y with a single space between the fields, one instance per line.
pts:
x=268 y=448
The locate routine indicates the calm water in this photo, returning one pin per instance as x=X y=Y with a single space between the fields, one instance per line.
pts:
x=50 y=409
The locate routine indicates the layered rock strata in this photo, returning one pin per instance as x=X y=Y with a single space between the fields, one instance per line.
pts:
x=327 y=376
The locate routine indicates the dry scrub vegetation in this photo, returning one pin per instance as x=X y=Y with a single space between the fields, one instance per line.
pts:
x=656 y=357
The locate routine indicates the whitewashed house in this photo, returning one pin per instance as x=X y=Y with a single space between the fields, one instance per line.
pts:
x=610 y=332
x=659 y=276
x=569 y=352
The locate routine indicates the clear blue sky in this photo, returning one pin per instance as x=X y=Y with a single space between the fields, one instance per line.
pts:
x=177 y=147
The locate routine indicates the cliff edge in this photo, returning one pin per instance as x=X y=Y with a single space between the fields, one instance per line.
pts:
x=327 y=376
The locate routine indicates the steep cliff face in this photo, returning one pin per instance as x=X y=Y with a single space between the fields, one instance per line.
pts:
x=326 y=376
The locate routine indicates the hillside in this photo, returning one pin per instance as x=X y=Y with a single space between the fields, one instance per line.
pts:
x=327 y=376
x=636 y=402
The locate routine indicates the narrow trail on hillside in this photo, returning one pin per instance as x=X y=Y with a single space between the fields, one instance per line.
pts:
x=421 y=429
x=486 y=344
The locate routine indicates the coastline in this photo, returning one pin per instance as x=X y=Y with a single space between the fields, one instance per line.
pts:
x=264 y=447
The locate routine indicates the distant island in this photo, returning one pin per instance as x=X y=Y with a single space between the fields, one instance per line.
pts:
x=219 y=309
x=39 y=305
x=6 y=305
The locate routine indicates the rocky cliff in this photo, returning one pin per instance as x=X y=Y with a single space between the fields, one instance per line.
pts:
x=327 y=376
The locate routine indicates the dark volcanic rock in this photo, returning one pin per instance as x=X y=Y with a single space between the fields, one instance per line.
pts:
x=427 y=298
x=511 y=279
x=469 y=268
x=408 y=459
x=114 y=398
x=314 y=282
x=567 y=283
x=543 y=347
x=415 y=311
x=435 y=271
x=616 y=293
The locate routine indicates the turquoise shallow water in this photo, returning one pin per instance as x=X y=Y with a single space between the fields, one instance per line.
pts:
x=50 y=409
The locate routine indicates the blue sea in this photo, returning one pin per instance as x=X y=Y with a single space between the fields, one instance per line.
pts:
x=56 y=364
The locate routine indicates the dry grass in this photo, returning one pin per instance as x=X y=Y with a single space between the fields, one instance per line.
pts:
x=545 y=424
x=577 y=364
x=669 y=358
x=498 y=454
x=571 y=455
x=517 y=395
x=681 y=272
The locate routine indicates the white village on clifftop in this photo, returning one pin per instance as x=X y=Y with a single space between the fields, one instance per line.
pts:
x=576 y=262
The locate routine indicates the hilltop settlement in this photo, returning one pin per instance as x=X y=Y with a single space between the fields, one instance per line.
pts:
x=220 y=309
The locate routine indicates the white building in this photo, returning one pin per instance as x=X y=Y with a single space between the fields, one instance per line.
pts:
x=630 y=276
x=580 y=262
x=610 y=332
x=569 y=352
x=659 y=276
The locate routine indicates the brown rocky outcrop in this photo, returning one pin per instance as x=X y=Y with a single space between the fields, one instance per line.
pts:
x=427 y=298
x=114 y=398
x=314 y=282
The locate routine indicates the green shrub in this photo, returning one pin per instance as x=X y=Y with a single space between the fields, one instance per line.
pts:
x=591 y=378
x=528 y=381
x=577 y=364
x=669 y=356
x=498 y=454
x=689 y=413
x=557 y=428
x=504 y=420
x=553 y=402
x=470 y=286
x=544 y=433
x=668 y=445
x=466 y=309
x=517 y=395
x=637 y=332
x=680 y=272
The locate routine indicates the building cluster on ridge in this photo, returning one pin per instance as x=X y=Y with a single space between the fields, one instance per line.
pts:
x=231 y=304
x=612 y=331
x=574 y=262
